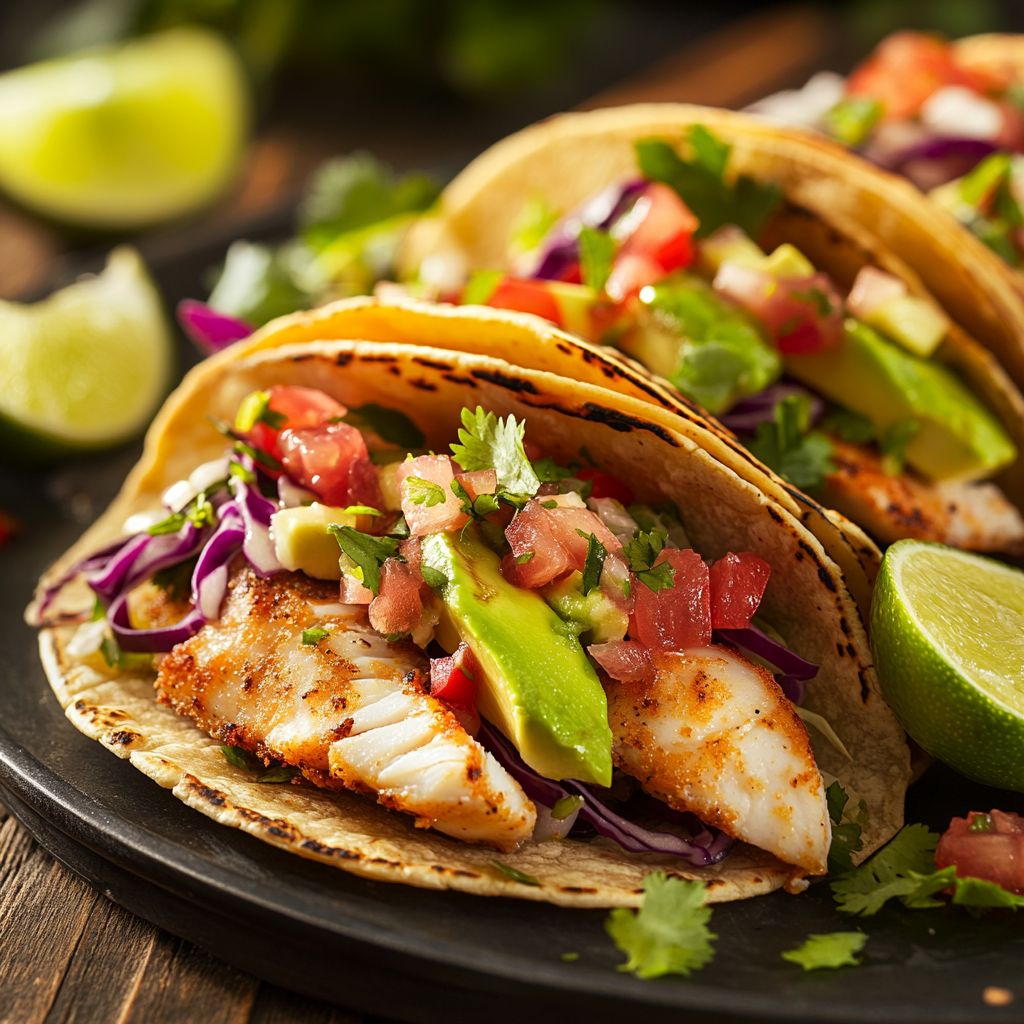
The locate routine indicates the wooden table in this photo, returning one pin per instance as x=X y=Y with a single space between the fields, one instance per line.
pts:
x=69 y=955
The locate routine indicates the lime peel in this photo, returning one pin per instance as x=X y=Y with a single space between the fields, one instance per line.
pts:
x=86 y=367
x=948 y=636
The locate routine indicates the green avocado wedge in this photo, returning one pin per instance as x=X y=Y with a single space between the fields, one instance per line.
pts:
x=537 y=685
x=958 y=438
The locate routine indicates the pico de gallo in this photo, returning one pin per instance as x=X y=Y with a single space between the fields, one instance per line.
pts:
x=916 y=106
x=826 y=387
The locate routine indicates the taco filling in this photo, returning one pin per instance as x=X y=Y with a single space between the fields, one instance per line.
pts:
x=841 y=393
x=499 y=645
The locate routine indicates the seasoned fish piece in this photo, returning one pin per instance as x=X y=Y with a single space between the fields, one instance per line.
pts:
x=350 y=710
x=715 y=735
x=973 y=516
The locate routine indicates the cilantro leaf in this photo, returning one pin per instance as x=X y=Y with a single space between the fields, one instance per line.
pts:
x=525 y=557
x=597 y=251
x=368 y=552
x=549 y=472
x=311 y=637
x=700 y=183
x=669 y=934
x=255 y=408
x=389 y=424
x=833 y=950
x=850 y=426
x=534 y=222
x=846 y=841
x=977 y=895
x=423 y=492
x=893 y=445
x=491 y=443
x=476 y=508
x=250 y=763
x=800 y=456
x=890 y=872
x=836 y=797
x=641 y=553
x=517 y=876
x=433 y=578
x=596 y=554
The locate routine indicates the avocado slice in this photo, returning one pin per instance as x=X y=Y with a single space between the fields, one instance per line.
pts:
x=594 y=616
x=536 y=684
x=958 y=439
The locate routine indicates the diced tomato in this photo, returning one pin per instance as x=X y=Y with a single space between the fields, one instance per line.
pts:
x=679 y=616
x=606 y=486
x=665 y=231
x=572 y=274
x=629 y=661
x=331 y=461
x=424 y=518
x=353 y=592
x=631 y=272
x=550 y=542
x=737 y=585
x=454 y=679
x=991 y=849
x=480 y=481
x=526 y=296
x=802 y=314
x=871 y=288
x=905 y=69
x=303 y=407
x=398 y=606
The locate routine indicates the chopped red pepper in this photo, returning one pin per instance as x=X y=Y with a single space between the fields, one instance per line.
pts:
x=454 y=679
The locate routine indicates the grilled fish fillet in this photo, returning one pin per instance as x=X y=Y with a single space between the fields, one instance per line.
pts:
x=349 y=711
x=972 y=516
x=715 y=735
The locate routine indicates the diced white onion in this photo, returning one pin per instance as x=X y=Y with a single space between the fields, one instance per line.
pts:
x=87 y=639
x=961 y=113
x=548 y=827
x=142 y=521
x=178 y=495
x=208 y=473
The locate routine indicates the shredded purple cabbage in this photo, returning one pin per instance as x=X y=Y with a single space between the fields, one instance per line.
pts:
x=939 y=159
x=209 y=330
x=747 y=415
x=559 y=250
x=256 y=511
x=705 y=848
x=794 y=670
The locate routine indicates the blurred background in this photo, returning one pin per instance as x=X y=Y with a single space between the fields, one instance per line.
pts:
x=429 y=83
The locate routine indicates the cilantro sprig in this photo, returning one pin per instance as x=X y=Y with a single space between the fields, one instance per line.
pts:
x=488 y=442
x=801 y=456
x=477 y=508
x=597 y=253
x=701 y=182
x=669 y=934
x=423 y=492
x=641 y=553
x=391 y=425
x=368 y=552
x=835 y=949
x=905 y=870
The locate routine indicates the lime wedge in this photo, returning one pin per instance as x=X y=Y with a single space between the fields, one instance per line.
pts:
x=127 y=136
x=84 y=368
x=948 y=635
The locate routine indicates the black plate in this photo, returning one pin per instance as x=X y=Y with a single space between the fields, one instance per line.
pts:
x=412 y=954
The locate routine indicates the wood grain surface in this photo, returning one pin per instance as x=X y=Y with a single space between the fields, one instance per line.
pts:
x=69 y=955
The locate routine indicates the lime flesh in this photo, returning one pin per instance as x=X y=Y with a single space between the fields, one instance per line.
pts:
x=85 y=368
x=127 y=136
x=948 y=635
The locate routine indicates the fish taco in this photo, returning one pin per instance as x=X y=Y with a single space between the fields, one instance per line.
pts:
x=435 y=618
x=859 y=343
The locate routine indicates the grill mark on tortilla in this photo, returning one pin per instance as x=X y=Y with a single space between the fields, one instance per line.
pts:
x=343 y=359
x=378 y=359
x=468 y=381
x=423 y=385
x=303 y=358
x=432 y=364
x=507 y=381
